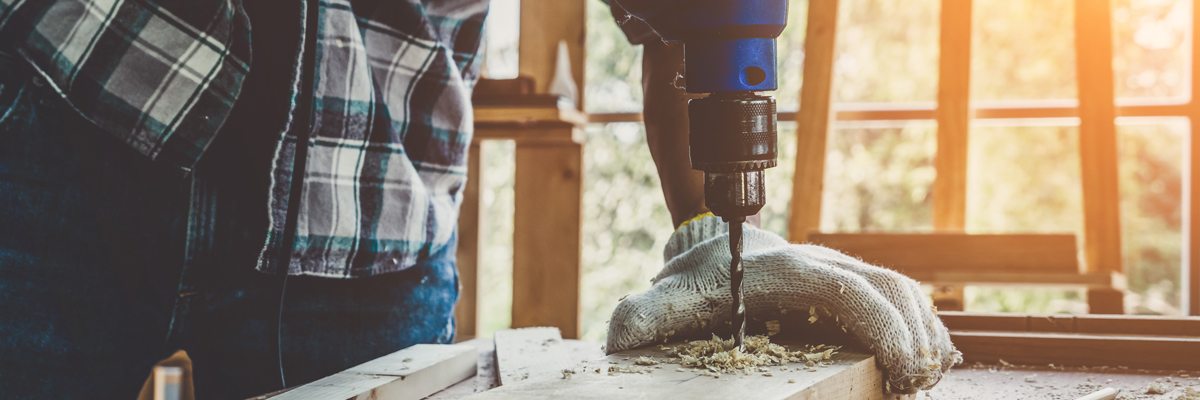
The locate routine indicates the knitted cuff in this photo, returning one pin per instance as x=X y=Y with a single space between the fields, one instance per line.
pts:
x=693 y=232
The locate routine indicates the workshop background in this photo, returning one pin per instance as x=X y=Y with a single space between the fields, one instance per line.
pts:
x=1023 y=174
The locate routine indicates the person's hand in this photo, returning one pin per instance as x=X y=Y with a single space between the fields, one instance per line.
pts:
x=879 y=308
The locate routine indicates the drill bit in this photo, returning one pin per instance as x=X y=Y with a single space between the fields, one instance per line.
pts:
x=735 y=283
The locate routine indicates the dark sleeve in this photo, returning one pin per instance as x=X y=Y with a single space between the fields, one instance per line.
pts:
x=636 y=30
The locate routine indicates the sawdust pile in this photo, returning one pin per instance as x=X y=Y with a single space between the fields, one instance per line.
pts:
x=720 y=356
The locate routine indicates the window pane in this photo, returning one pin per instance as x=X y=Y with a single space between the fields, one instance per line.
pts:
x=790 y=62
x=1151 y=159
x=879 y=178
x=500 y=36
x=1023 y=179
x=1150 y=47
x=614 y=67
x=1022 y=49
x=886 y=51
x=625 y=221
x=496 y=173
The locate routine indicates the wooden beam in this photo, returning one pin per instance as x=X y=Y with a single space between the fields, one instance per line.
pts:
x=852 y=375
x=1110 y=280
x=530 y=353
x=955 y=252
x=521 y=117
x=412 y=373
x=543 y=24
x=890 y=112
x=953 y=116
x=1097 y=136
x=1149 y=352
x=1191 y=283
x=812 y=121
x=1098 y=149
x=1064 y=323
x=547 y=235
x=466 y=311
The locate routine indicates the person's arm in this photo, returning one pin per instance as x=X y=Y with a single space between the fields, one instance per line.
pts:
x=665 y=113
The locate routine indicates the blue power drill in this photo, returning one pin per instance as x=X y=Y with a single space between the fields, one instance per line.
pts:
x=729 y=52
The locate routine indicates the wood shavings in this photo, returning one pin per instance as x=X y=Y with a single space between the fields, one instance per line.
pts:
x=643 y=360
x=720 y=356
x=627 y=369
x=1156 y=387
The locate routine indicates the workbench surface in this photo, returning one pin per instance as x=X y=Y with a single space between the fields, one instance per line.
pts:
x=974 y=382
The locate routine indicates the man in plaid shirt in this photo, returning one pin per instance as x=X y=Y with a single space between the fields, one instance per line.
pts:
x=150 y=161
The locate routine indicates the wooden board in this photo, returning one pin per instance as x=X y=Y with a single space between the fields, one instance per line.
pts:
x=527 y=353
x=1062 y=323
x=812 y=121
x=853 y=375
x=1098 y=280
x=1092 y=350
x=412 y=373
x=955 y=252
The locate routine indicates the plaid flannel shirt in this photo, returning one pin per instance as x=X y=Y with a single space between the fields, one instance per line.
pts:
x=367 y=174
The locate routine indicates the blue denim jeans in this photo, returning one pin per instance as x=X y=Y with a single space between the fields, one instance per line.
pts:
x=103 y=272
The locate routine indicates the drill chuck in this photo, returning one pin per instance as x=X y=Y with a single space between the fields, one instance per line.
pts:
x=733 y=139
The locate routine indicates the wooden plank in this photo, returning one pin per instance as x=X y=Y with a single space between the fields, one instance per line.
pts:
x=562 y=134
x=890 y=112
x=486 y=117
x=956 y=252
x=1110 y=280
x=543 y=24
x=1097 y=136
x=412 y=373
x=812 y=121
x=953 y=116
x=466 y=311
x=530 y=353
x=852 y=375
x=547 y=236
x=1150 y=352
x=487 y=377
x=1084 y=324
x=485 y=373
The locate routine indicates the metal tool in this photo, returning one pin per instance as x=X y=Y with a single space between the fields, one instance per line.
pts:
x=729 y=48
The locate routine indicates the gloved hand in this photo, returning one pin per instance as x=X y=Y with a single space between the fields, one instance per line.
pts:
x=878 y=307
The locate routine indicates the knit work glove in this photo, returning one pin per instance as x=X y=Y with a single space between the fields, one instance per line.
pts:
x=879 y=308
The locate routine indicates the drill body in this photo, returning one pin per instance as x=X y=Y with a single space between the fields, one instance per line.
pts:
x=729 y=53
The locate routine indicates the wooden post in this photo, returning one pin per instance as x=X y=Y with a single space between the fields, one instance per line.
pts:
x=812 y=122
x=953 y=117
x=1191 y=285
x=466 y=313
x=543 y=24
x=1098 y=149
x=547 y=225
